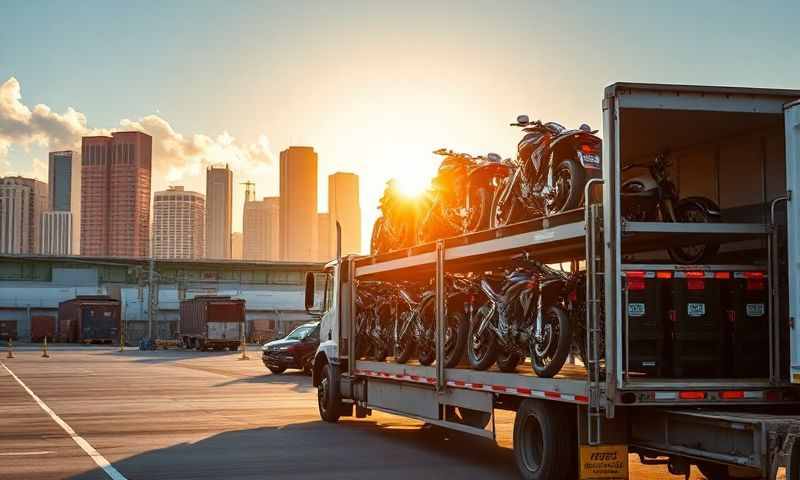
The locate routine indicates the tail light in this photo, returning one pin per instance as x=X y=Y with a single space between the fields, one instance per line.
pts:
x=695 y=280
x=664 y=275
x=731 y=395
x=635 y=280
x=692 y=395
x=755 y=281
x=590 y=148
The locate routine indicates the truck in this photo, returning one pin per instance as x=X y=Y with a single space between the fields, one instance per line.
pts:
x=721 y=391
x=89 y=319
x=211 y=322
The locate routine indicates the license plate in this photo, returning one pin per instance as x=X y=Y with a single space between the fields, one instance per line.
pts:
x=755 y=309
x=696 y=309
x=636 y=309
x=590 y=160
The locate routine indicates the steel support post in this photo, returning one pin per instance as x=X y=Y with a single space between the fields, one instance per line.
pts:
x=440 y=315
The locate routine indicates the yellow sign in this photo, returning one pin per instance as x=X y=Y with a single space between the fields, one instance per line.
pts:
x=606 y=462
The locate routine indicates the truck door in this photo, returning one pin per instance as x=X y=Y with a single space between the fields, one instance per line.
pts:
x=792 y=124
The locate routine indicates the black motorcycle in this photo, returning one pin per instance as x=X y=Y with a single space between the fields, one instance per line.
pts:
x=375 y=307
x=654 y=197
x=552 y=167
x=521 y=316
x=415 y=326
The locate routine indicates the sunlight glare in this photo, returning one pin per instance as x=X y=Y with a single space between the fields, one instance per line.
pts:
x=412 y=185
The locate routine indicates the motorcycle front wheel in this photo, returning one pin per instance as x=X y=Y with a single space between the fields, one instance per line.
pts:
x=480 y=207
x=568 y=183
x=512 y=211
x=378 y=233
x=691 y=211
x=550 y=352
x=481 y=348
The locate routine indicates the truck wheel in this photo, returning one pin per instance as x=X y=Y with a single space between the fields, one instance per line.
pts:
x=328 y=395
x=542 y=441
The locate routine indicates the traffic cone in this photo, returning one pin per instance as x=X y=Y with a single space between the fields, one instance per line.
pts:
x=44 y=349
x=10 y=349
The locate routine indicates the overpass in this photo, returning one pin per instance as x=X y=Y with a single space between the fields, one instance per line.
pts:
x=33 y=285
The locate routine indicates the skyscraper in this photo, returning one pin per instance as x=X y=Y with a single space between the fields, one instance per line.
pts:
x=344 y=207
x=261 y=229
x=219 y=212
x=179 y=224
x=60 y=234
x=115 y=194
x=298 y=204
x=237 y=246
x=22 y=201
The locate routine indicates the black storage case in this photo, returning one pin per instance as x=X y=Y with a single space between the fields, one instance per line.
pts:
x=646 y=308
x=698 y=335
x=747 y=326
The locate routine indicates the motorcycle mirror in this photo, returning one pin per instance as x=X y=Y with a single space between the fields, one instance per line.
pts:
x=585 y=127
x=523 y=119
x=493 y=157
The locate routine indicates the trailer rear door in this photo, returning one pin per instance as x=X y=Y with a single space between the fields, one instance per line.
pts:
x=792 y=122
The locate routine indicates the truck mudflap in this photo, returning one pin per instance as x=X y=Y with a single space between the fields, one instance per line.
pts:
x=749 y=440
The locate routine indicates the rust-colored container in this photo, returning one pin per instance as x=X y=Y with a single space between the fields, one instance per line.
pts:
x=42 y=326
x=211 y=321
x=8 y=329
x=89 y=318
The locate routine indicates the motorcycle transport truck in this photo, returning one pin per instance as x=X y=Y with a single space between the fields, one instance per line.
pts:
x=682 y=364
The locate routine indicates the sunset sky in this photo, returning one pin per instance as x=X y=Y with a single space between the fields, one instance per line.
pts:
x=374 y=87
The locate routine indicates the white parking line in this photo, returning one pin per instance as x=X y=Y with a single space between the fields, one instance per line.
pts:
x=100 y=460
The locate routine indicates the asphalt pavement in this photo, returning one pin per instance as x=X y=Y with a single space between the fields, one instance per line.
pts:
x=190 y=415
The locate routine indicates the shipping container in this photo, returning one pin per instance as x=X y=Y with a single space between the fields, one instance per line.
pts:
x=89 y=318
x=211 y=322
x=42 y=326
x=8 y=329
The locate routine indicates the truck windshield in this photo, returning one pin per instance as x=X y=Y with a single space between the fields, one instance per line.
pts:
x=299 y=333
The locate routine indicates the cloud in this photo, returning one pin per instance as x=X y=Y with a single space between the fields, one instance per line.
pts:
x=177 y=158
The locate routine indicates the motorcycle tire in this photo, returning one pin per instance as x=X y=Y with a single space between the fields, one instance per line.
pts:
x=404 y=351
x=481 y=202
x=507 y=362
x=377 y=241
x=695 y=210
x=379 y=354
x=559 y=349
x=573 y=174
x=457 y=343
x=516 y=214
x=481 y=352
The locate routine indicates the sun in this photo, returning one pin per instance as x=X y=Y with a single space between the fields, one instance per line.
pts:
x=412 y=185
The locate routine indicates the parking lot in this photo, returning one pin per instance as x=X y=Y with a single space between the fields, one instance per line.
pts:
x=174 y=414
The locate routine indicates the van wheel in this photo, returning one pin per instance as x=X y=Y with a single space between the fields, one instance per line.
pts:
x=328 y=395
x=542 y=442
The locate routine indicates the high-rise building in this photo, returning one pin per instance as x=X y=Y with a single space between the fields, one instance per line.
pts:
x=115 y=194
x=56 y=234
x=60 y=234
x=179 y=227
x=261 y=229
x=237 y=246
x=298 y=204
x=22 y=202
x=344 y=207
x=219 y=212
x=325 y=251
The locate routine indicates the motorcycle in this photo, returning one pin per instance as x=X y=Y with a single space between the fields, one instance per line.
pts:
x=461 y=194
x=654 y=197
x=552 y=167
x=375 y=307
x=522 y=316
x=415 y=328
x=396 y=227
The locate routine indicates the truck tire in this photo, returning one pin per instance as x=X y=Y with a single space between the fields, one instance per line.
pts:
x=330 y=405
x=543 y=441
